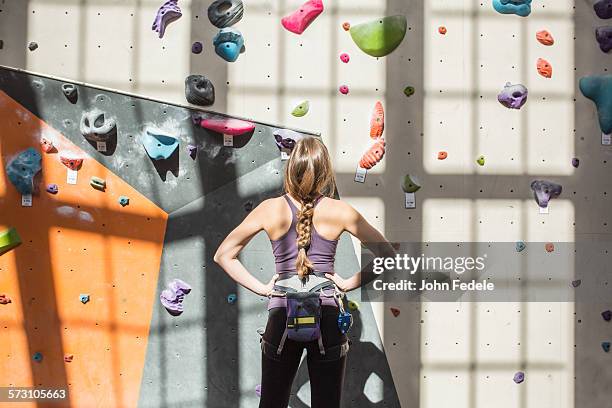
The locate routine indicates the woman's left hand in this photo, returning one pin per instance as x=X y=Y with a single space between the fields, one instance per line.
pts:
x=342 y=284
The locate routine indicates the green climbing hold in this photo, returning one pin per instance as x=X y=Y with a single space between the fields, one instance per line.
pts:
x=353 y=306
x=410 y=184
x=301 y=109
x=481 y=160
x=9 y=239
x=380 y=37
x=409 y=91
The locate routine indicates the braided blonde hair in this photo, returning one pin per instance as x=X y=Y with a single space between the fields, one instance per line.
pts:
x=308 y=175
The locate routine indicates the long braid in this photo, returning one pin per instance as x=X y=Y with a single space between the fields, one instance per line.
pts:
x=304 y=229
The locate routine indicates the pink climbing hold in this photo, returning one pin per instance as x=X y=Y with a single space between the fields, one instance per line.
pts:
x=344 y=90
x=228 y=126
x=344 y=57
x=298 y=21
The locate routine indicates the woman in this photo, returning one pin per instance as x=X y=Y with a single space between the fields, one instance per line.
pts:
x=304 y=227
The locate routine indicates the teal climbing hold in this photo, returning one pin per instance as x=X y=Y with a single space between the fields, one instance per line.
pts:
x=410 y=184
x=598 y=88
x=380 y=37
x=22 y=169
x=37 y=357
x=228 y=43
x=84 y=298
x=605 y=346
x=124 y=200
x=519 y=7
x=232 y=298
x=158 y=145
x=520 y=246
x=9 y=239
x=301 y=110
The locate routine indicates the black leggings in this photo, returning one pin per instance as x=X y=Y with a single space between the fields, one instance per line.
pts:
x=326 y=372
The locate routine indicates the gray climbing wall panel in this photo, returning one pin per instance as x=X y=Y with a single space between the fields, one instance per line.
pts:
x=208 y=356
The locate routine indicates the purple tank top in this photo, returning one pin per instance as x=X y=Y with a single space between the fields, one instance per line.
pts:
x=322 y=253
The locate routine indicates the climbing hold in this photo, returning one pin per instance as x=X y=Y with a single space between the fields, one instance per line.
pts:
x=84 y=298
x=96 y=126
x=97 y=183
x=123 y=201
x=299 y=20
x=9 y=239
x=544 y=37
x=544 y=191
x=167 y=13
x=5 y=300
x=199 y=90
x=70 y=92
x=158 y=145
x=344 y=57
x=575 y=162
x=346 y=26
x=377 y=121
x=46 y=145
x=599 y=90
x=52 y=188
x=227 y=126
x=442 y=155
x=605 y=345
x=603 y=9
x=228 y=43
x=380 y=37
x=607 y=315
x=344 y=90
x=442 y=30
x=37 y=357
x=395 y=311
x=576 y=283
x=73 y=163
x=22 y=169
x=544 y=68
x=197 y=47
x=520 y=246
x=1 y=44
x=373 y=155
x=480 y=160
x=519 y=7
x=301 y=110
x=513 y=96
x=225 y=13
x=550 y=247
x=409 y=91
x=410 y=184
x=353 y=306
x=68 y=358
x=32 y=46
x=258 y=390
x=192 y=151
x=519 y=377
x=604 y=38
x=248 y=206
x=231 y=298
x=172 y=297
x=286 y=138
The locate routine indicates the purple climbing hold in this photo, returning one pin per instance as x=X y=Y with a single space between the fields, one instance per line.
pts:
x=172 y=297
x=519 y=377
x=607 y=315
x=248 y=206
x=575 y=162
x=576 y=283
x=287 y=139
x=513 y=96
x=197 y=47
x=167 y=13
x=52 y=188
x=544 y=191
x=603 y=9
x=192 y=151
x=604 y=38
x=258 y=390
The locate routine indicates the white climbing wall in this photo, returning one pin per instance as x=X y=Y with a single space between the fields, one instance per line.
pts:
x=441 y=354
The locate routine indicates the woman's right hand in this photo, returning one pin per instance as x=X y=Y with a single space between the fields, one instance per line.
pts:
x=269 y=287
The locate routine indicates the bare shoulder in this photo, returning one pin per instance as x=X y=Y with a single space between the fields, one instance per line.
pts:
x=271 y=205
x=338 y=209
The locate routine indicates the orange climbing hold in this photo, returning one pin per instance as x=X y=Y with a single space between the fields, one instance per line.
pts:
x=4 y=300
x=544 y=68
x=442 y=30
x=395 y=311
x=550 y=247
x=377 y=123
x=544 y=37
x=373 y=155
x=442 y=155
x=346 y=25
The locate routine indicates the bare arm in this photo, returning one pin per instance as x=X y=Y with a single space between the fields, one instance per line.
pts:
x=227 y=253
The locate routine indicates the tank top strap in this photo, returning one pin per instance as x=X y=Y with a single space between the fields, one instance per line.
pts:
x=292 y=206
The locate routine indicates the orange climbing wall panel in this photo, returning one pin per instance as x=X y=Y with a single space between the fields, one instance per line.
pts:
x=78 y=241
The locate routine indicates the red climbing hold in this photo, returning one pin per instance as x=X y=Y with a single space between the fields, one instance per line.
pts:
x=442 y=30
x=442 y=155
x=544 y=37
x=544 y=68
x=373 y=155
x=377 y=122
x=71 y=162
x=395 y=311
x=46 y=145
x=299 y=20
x=346 y=26
x=4 y=300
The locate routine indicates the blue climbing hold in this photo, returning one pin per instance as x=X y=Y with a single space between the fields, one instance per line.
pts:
x=228 y=43
x=605 y=346
x=232 y=298
x=124 y=200
x=158 y=145
x=520 y=246
x=37 y=357
x=84 y=298
x=22 y=169
x=519 y=7
x=598 y=88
